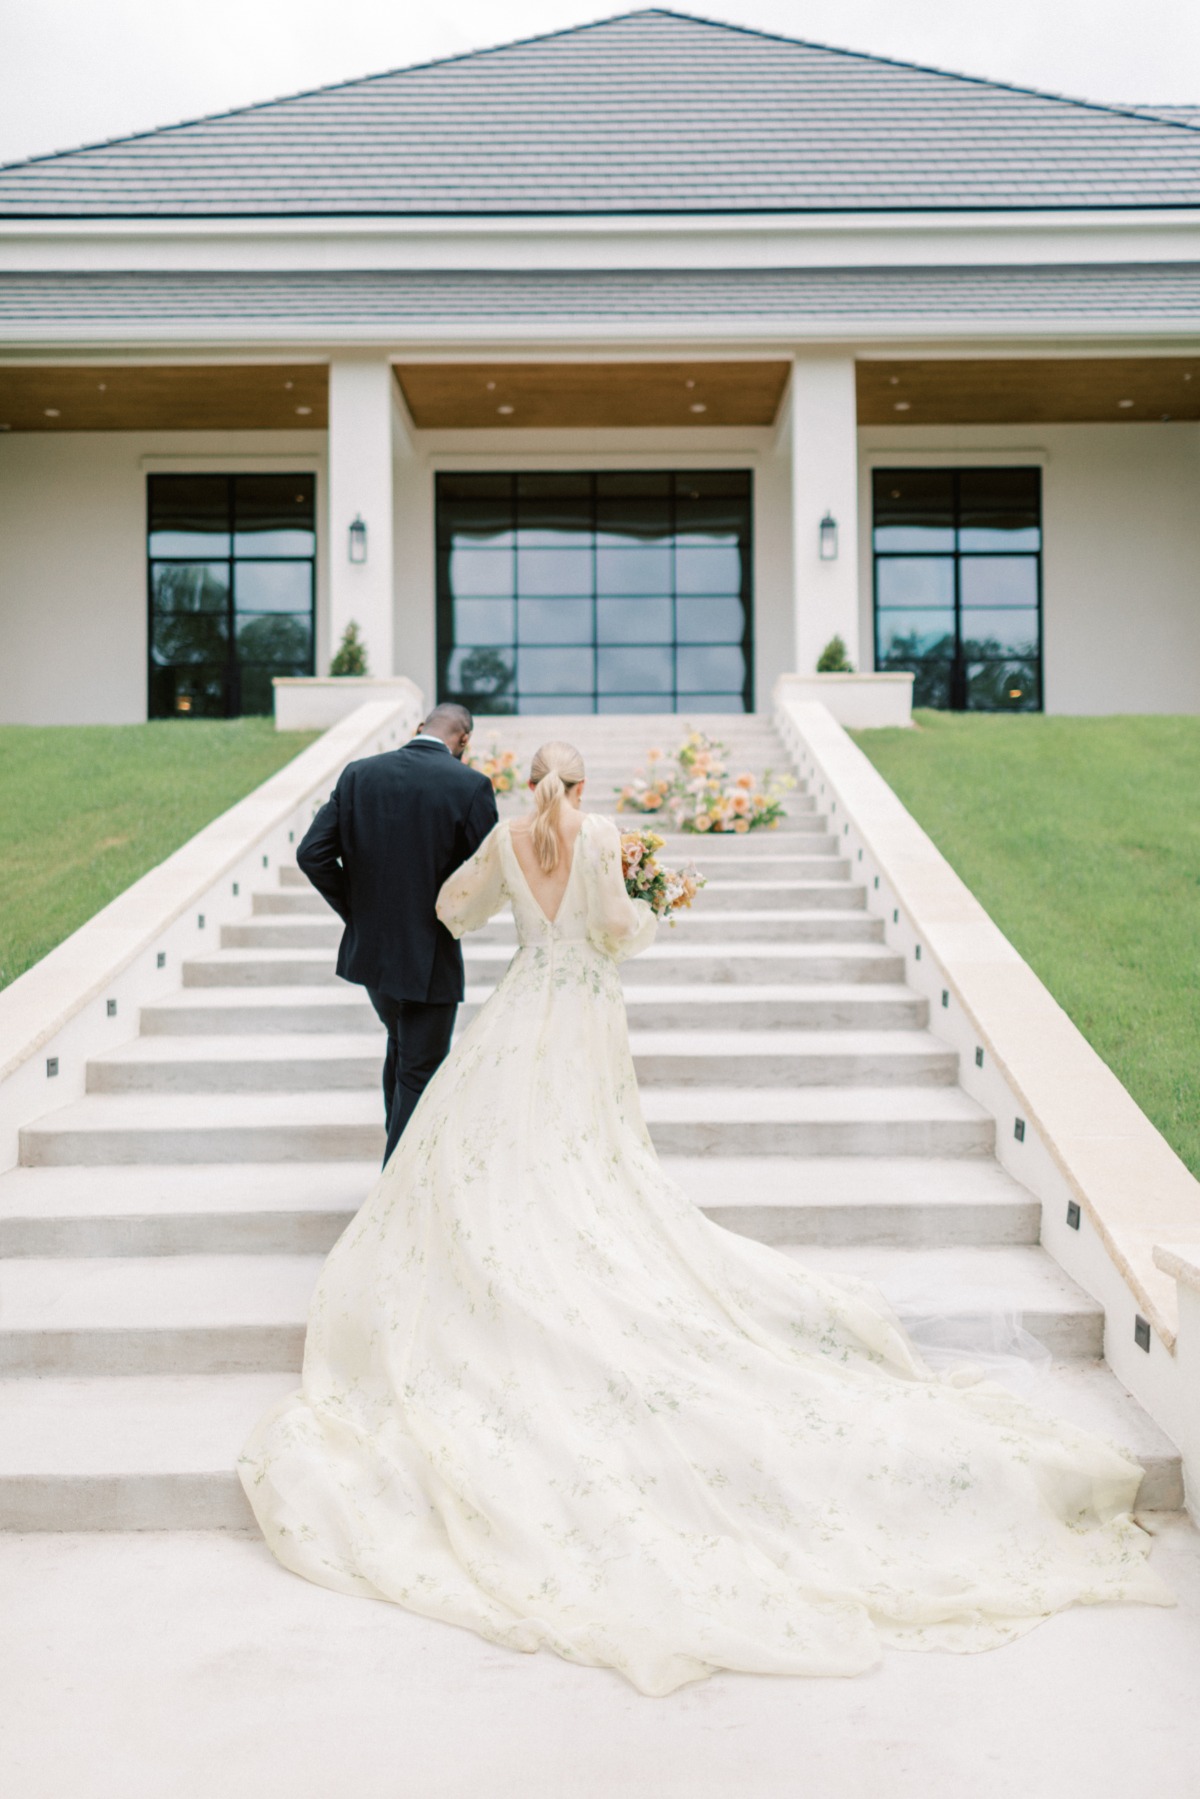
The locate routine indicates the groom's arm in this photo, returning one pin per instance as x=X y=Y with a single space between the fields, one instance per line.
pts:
x=481 y=818
x=319 y=855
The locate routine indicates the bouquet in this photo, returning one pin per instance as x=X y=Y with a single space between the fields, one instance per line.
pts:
x=693 y=789
x=667 y=891
x=500 y=767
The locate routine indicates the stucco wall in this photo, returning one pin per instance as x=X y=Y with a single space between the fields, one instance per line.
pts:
x=1121 y=569
x=73 y=561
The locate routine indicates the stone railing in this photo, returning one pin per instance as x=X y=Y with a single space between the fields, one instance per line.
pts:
x=1112 y=1189
x=85 y=995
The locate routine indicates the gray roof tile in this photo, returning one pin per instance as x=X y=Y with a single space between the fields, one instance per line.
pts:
x=654 y=111
x=402 y=302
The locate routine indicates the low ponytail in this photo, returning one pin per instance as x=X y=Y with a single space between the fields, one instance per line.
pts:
x=556 y=768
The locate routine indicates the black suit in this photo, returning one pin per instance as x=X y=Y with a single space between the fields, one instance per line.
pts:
x=395 y=827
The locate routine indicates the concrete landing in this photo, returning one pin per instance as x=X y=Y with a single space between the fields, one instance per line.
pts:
x=136 y=1667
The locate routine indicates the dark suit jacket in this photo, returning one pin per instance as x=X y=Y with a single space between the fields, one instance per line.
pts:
x=396 y=826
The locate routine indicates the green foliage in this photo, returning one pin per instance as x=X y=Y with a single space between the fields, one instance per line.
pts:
x=833 y=659
x=86 y=810
x=1081 y=836
x=350 y=658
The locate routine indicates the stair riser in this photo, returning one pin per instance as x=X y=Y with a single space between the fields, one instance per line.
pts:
x=96 y=1502
x=826 y=1137
x=215 y=1501
x=269 y=1349
x=47 y=1147
x=315 y=1233
x=655 y=970
x=198 y=1020
x=357 y=1074
x=762 y=1014
x=219 y=1349
x=696 y=927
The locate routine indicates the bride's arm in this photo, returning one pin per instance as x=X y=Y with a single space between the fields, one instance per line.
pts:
x=474 y=892
x=618 y=925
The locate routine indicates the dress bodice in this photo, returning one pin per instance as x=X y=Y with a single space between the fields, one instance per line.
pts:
x=595 y=908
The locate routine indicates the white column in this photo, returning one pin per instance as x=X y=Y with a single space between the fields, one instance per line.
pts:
x=362 y=408
x=824 y=483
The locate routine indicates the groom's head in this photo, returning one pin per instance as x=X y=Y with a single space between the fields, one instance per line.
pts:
x=453 y=724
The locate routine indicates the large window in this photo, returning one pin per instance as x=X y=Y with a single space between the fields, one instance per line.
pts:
x=958 y=585
x=232 y=590
x=621 y=592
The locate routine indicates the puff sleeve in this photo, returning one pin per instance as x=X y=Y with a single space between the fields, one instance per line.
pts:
x=476 y=891
x=617 y=925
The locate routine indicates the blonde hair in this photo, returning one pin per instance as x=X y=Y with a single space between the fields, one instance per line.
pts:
x=556 y=768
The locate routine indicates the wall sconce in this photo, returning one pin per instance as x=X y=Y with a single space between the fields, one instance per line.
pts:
x=358 y=540
x=829 y=538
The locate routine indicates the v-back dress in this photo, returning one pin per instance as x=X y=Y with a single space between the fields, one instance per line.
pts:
x=544 y=1397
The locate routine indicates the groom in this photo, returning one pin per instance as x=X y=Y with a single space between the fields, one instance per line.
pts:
x=395 y=827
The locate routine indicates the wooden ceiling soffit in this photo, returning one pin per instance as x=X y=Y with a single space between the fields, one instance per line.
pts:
x=568 y=395
x=188 y=398
x=1041 y=391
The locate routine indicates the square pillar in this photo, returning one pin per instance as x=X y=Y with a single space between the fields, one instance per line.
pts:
x=824 y=417
x=362 y=425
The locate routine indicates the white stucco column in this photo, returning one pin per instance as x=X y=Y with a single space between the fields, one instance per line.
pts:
x=362 y=426
x=824 y=483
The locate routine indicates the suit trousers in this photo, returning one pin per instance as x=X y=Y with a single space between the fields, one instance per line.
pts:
x=418 y=1038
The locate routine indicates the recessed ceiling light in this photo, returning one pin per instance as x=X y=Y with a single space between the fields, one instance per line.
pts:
x=288 y=386
x=303 y=411
x=491 y=386
x=697 y=406
x=1187 y=377
x=1124 y=403
x=102 y=387
x=901 y=405
x=689 y=384
x=52 y=412
x=504 y=410
x=893 y=380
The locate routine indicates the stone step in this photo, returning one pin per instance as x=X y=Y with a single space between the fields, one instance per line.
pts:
x=109 y=1128
x=159 y=1452
x=317 y=1062
x=669 y=960
x=244 y=1314
x=722 y=894
x=302 y=1208
x=754 y=925
x=340 y=1007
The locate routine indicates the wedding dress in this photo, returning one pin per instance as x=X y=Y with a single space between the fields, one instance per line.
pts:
x=544 y=1397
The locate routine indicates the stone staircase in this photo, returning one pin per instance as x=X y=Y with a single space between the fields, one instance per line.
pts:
x=161 y=1238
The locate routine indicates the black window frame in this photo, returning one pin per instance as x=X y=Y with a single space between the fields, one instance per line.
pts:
x=956 y=555
x=667 y=701
x=234 y=665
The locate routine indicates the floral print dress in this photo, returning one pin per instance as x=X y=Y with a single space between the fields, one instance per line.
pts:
x=545 y=1398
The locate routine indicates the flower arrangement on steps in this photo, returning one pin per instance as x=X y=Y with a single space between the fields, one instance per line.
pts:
x=667 y=891
x=500 y=766
x=693 y=789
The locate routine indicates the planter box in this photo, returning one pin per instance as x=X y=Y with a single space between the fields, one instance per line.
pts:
x=314 y=702
x=859 y=702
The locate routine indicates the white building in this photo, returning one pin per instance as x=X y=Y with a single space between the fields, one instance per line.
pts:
x=590 y=334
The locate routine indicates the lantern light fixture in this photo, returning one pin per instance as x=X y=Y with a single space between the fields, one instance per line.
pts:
x=829 y=543
x=358 y=540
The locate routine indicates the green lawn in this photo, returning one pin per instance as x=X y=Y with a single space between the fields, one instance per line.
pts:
x=85 y=810
x=1081 y=836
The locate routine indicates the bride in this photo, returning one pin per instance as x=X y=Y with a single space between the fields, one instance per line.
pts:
x=544 y=1397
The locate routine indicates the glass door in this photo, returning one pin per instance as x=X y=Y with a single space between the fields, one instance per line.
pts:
x=625 y=591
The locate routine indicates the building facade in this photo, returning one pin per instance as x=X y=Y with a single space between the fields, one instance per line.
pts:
x=617 y=370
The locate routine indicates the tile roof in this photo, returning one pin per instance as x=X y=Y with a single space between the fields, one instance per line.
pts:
x=401 y=302
x=654 y=111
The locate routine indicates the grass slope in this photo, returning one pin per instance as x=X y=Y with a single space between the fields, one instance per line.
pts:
x=1081 y=836
x=85 y=810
